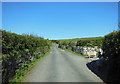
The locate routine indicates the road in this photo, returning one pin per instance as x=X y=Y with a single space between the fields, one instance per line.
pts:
x=61 y=66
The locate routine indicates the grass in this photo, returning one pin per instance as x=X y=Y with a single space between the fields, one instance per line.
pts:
x=85 y=39
x=20 y=74
x=74 y=53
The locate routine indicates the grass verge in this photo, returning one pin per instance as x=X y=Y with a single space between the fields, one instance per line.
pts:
x=20 y=73
x=74 y=52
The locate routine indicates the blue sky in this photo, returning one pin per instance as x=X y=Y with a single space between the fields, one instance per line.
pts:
x=60 y=20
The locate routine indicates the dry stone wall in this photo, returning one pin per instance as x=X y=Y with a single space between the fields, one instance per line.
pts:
x=83 y=50
x=18 y=50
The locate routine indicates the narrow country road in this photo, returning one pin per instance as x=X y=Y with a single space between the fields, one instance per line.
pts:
x=61 y=66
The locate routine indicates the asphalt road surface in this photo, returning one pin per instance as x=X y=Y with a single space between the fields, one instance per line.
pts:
x=61 y=66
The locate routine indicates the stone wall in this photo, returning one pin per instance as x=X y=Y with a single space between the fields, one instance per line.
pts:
x=18 y=51
x=82 y=50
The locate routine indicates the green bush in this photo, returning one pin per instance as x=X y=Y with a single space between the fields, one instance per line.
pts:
x=91 y=42
x=18 y=50
x=111 y=48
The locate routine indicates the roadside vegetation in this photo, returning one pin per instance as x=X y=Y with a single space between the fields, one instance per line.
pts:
x=74 y=52
x=21 y=52
x=21 y=73
x=82 y=45
x=110 y=44
x=91 y=42
x=111 y=48
x=18 y=52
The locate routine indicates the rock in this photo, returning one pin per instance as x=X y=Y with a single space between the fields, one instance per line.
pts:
x=83 y=50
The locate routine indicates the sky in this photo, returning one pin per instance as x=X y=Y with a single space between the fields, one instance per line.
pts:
x=60 y=0
x=60 y=20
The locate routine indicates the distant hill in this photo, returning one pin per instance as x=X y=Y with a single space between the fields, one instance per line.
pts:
x=85 y=39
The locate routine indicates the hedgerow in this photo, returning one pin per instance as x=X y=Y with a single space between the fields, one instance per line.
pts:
x=18 y=50
x=90 y=42
x=111 y=48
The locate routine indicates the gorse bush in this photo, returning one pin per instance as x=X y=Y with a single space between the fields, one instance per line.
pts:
x=18 y=50
x=111 y=48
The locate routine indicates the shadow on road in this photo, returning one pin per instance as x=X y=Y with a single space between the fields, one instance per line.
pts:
x=99 y=68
